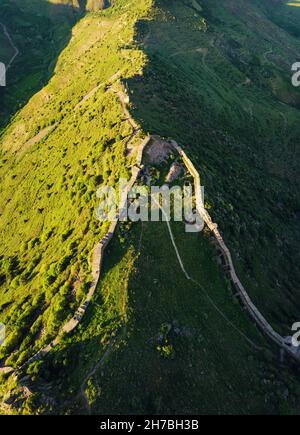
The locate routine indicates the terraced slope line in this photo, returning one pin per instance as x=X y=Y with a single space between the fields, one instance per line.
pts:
x=251 y=308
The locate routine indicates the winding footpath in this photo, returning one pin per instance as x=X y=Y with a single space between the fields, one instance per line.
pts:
x=189 y=278
x=124 y=99
x=180 y=261
x=14 y=47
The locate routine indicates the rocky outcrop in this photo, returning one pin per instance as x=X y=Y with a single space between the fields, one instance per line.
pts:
x=97 y=5
x=84 y=5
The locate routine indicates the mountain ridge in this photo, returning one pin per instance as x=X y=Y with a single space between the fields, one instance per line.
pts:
x=192 y=75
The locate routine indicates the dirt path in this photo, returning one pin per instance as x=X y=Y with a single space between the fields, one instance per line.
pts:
x=266 y=54
x=14 y=47
x=135 y=128
x=95 y=89
x=172 y=239
x=189 y=278
x=201 y=50
x=6 y=370
x=91 y=373
x=37 y=138
x=285 y=124
x=245 y=82
x=249 y=109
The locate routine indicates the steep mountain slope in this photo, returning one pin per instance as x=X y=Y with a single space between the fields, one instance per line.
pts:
x=221 y=92
x=39 y=31
x=216 y=78
x=55 y=153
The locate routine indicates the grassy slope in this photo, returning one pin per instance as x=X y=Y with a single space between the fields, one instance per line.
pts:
x=48 y=191
x=40 y=31
x=195 y=90
x=213 y=364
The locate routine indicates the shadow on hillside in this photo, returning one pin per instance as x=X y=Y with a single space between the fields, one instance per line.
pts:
x=180 y=97
x=40 y=34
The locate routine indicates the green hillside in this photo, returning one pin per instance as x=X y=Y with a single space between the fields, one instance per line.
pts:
x=218 y=93
x=55 y=154
x=215 y=77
